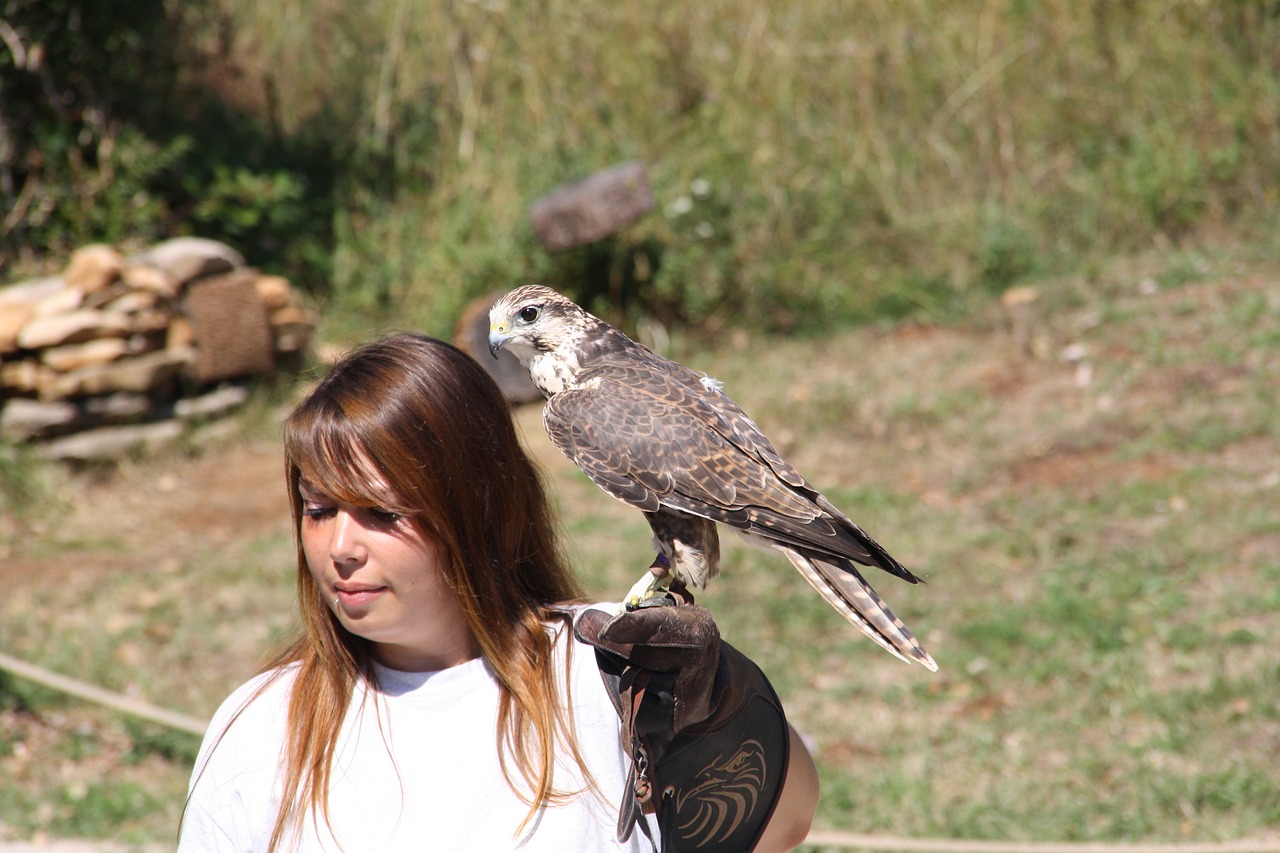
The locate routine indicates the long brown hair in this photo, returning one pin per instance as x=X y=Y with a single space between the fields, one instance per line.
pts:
x=430 y=424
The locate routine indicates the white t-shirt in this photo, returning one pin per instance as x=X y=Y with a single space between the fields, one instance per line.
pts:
x=444 y=789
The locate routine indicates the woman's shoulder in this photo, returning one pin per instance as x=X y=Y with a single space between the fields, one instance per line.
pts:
x=561 y=628
x=263 y=693
x=253 y=715
x=233 y=789
x=572 y=610
x=579 y=658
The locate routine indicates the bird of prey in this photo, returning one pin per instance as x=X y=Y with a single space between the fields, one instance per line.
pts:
x=667 y=440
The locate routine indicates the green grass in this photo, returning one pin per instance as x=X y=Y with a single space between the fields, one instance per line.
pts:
x=1101 y=557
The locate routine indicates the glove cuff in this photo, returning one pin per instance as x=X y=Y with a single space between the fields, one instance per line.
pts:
x=718 y=781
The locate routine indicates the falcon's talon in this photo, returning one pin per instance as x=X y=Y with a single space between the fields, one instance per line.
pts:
x=664 y=600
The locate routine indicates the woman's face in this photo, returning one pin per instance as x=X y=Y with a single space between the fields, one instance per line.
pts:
x=382 y=577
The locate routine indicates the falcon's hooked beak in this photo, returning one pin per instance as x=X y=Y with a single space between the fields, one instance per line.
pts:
x=499 y=335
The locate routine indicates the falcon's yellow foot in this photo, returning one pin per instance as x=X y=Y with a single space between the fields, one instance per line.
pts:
x=652 y=590
x=649 y=591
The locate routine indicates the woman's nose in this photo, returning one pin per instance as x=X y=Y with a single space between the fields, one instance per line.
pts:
x=346 y=540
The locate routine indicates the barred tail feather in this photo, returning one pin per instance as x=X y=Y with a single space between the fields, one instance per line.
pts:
x=846 y=591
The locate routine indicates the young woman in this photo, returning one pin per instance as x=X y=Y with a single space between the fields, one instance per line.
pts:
x=436 y=698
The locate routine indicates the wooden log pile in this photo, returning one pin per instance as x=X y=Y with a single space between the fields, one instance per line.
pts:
x=118 y=351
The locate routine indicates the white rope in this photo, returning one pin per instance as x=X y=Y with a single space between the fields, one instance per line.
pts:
x=853 y=841
x=99 y=696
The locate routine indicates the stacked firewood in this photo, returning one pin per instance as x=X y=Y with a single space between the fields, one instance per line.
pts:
x=130 y=348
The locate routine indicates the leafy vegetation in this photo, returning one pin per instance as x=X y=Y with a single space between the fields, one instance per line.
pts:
x=111 y=133
x=815 y=165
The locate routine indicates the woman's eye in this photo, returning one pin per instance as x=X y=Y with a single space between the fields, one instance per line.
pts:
x=386 y=516
x=528 y=313
x=315 y=511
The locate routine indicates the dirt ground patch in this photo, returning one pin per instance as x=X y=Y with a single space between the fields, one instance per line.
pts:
x=148 y=507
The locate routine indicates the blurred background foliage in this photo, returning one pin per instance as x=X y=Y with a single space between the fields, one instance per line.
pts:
x=815 y=163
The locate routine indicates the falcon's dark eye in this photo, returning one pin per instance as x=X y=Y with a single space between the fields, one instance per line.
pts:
x=528 y=313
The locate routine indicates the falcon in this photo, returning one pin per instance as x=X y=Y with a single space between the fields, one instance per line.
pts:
x=667 y=440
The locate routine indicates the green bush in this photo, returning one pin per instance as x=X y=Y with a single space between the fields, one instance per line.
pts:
x=110 y=135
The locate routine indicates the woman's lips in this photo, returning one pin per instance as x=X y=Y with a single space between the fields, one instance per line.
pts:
x=352 y=596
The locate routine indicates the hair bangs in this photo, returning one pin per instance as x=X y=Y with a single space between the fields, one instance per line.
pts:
x=324 y=449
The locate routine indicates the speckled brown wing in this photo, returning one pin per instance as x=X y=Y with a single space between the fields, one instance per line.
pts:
x=654 y=434
x=652 y=441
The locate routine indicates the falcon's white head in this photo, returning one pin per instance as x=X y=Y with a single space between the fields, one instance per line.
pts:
x=545 y=331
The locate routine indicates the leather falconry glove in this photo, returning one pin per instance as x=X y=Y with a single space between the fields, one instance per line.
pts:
x=705 y=731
